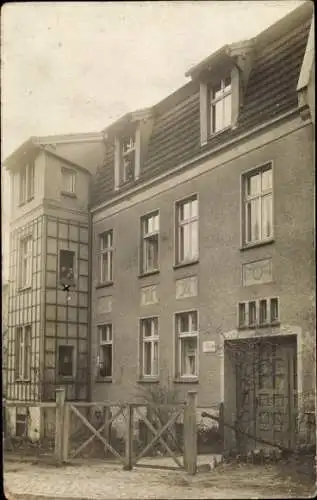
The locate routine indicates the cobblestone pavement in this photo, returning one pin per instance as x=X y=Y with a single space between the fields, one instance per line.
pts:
x=96 y=481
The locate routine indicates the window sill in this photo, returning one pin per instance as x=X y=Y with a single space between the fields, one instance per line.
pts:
x=219 y=132
x=186 y=380
x=63 y=379
x=262 y=326
x=148 y=380
x=22 y=380
x=104 y=285
x=185 y=264
x=24 y=288
x=149 y=273
x=68 y=194
x=246 y=246
x=107 y=380
x=22 y=203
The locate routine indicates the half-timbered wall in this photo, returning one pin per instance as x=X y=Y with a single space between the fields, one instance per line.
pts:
x=25 y=311
x=66 y=314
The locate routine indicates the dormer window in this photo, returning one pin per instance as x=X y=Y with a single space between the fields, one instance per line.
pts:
x=220 y=106
x=128 y=156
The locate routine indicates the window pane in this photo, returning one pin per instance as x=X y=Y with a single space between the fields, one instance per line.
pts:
x=266 y=216
x=194 y=208
x=252 y=313
x=227 y=84
x=147 y=327
x=185 y=252
x=66 y=266
x=184 y=210
x=193 y=321
x=105 y=369
x=147 y=358
x=267 y=179
x=254 y=185
x=242 y=314
x=65 y=361
x=227 y=111
x=263 y=312
x=188 y=356
x=194 y=240
x=151 y=253
x=218 y=116
x=274 y=310
x=183 y=322
x=155 y=359
x=253 y=220
x=217 y=91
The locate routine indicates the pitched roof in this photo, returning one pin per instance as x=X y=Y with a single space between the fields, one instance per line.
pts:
x=270 y=92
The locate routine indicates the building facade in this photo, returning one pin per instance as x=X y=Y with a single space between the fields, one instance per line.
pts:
x=190 y=261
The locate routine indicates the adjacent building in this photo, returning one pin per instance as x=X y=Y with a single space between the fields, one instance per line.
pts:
x=176 y=247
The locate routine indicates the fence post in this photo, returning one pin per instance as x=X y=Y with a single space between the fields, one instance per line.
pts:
x=60 y=401
x=65 y=434
x=190 y=434
x=106 y=432
x=129 y=438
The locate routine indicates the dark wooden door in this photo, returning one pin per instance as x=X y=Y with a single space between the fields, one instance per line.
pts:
x=266 y=382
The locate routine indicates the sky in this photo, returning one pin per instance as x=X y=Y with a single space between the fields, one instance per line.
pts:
x=72 y=67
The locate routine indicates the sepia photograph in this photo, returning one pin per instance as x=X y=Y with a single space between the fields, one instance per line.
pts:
x=158 y=250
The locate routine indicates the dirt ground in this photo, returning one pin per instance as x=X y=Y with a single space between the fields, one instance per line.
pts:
x=95 y=480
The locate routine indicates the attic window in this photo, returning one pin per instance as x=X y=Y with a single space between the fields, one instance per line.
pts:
x=219 y=106
x=127 y=159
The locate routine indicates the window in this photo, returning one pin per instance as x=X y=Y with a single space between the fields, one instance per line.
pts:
x=150 y=242
x=105 y=351
x=106 y=257
x=186 y=344
x=220 y=106
x=66 y=361
x=263 y=312
x=23 y=352
x=149 y=348
x=258 y=216
x=128 y=159
x=66 y=267
x=68 y=180
x=187 y=230
x=26 y=262
x=27 y=183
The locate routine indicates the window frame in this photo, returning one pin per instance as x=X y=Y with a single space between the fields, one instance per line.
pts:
x=258 y=323
x=108 y=250
x=144 y=268
x=178 y=224
x=153 y=339
x=23 y=353
x=25 y=281
x=67 y=281
x=27 y=189
x=212 y=101
x=74 y=367
x=245 y=176
x=72 y=172
x=178 y=347
x=132 y=151
x=102 y=343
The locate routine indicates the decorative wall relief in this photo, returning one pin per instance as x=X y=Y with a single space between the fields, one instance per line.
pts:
x=256 y=273
x=186 y=287
x=148 y=295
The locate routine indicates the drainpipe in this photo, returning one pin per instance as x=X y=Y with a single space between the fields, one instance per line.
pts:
x=89 y=329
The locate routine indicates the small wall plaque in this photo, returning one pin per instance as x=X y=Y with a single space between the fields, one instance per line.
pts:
x=256 y=273
x=148 y=295
x=105 y=304
x=186 y=287
x=209 y=346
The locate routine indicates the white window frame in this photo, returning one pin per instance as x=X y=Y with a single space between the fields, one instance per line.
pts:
x=23 y=353
x=224 y=93
x=106 y=250
x=108 y=341
x=153 y=340
x=183 y=222
x=73 y=375
x=248 y=199
x=26 y=181
x=258 y=324
x=127 y=153
x=146 y=236
x=25 y=261
x=68 y=174
x=180 y=337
